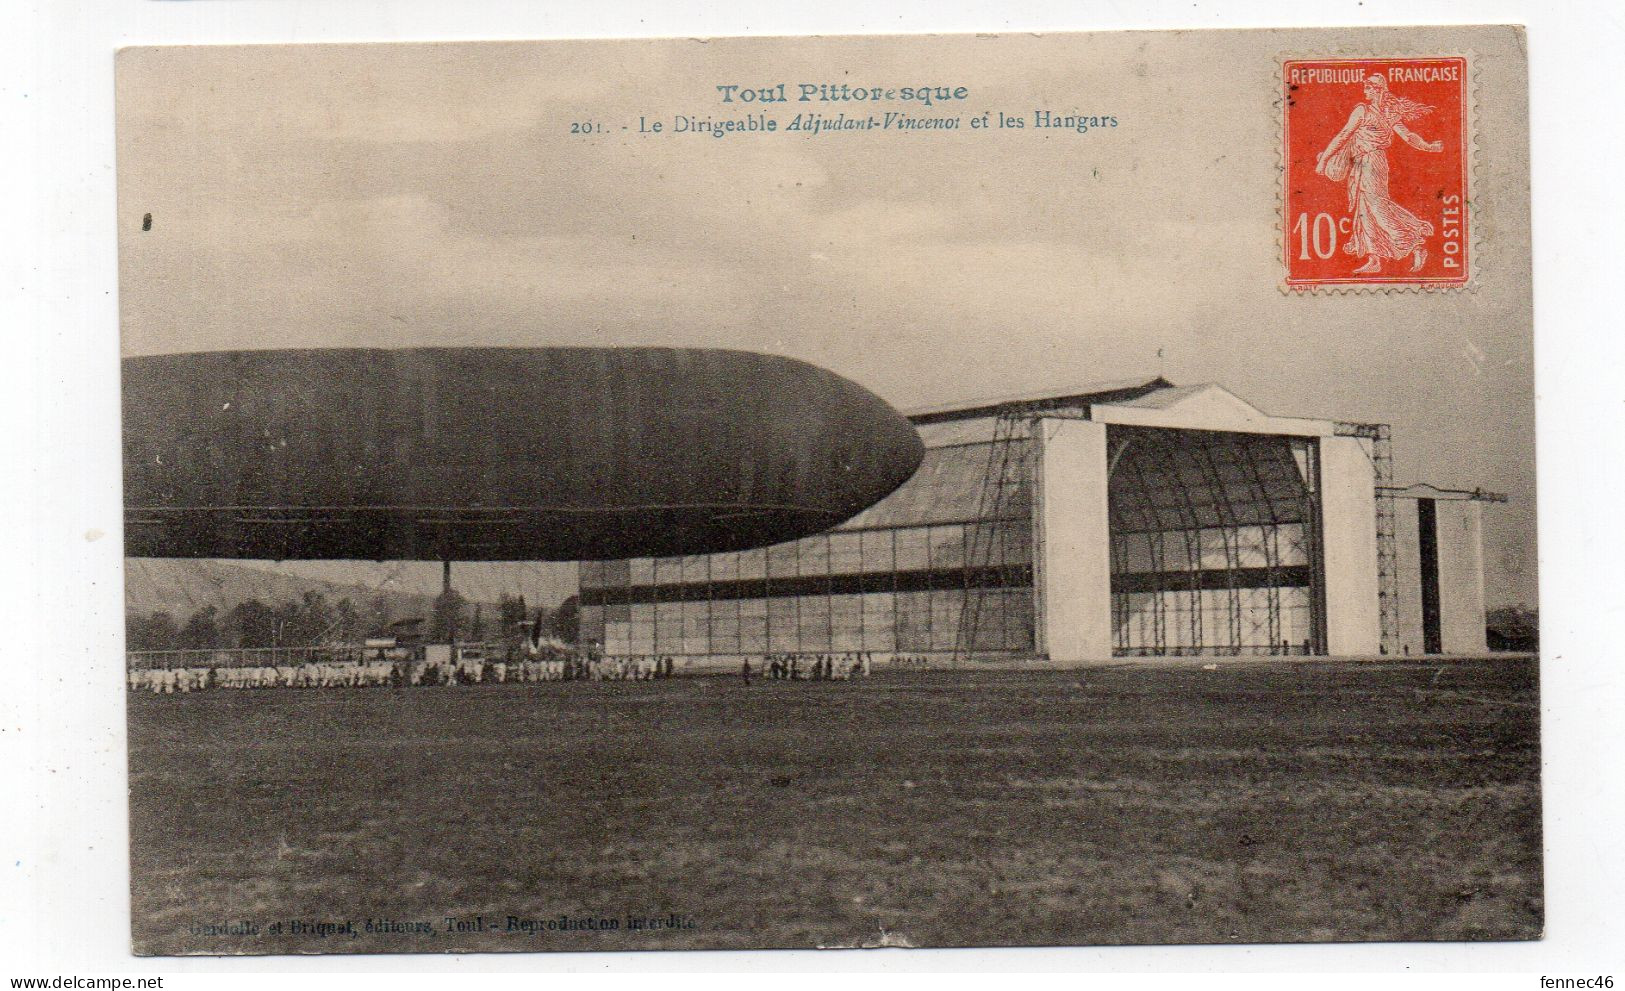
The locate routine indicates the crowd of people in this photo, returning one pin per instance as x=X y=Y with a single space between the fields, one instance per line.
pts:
x=813 y=667
x=343 y=674
x=471 y=671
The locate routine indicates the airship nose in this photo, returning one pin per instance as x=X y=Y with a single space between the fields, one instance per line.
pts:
x=896 y=448
x=878 y=449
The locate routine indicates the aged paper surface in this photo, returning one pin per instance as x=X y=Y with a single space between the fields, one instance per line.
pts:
x=1063 y=489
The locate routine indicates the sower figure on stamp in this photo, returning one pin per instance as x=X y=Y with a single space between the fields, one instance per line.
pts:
x=1381 y=228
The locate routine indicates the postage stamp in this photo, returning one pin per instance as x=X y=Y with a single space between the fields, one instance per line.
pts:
x=1377 y=159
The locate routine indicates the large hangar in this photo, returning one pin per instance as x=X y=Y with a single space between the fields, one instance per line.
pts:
x=1132 y=518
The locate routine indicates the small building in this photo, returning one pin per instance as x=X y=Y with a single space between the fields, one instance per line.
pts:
x=411 y=632
x=1123 y=519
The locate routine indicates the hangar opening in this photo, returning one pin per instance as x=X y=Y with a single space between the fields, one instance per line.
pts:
x=1214 y=543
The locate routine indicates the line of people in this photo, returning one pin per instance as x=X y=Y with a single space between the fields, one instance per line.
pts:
x=183 y=680
x=172 y=681
x=813 y=667
x=169 y=681
x=639 y=667
x=471 y=671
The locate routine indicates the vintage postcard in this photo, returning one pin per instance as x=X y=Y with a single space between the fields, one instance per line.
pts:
x=830 y=492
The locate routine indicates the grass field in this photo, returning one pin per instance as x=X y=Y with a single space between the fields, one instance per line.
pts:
x=1305 y=801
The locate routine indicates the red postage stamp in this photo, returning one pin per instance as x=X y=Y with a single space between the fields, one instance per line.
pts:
x=1377 y=155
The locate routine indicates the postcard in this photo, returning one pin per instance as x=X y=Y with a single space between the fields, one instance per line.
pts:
x=921 y=491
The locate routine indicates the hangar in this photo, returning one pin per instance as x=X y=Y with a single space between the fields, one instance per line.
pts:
x=1120 y=519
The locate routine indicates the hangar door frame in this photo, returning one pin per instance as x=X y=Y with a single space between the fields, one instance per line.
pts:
x=1217 y=542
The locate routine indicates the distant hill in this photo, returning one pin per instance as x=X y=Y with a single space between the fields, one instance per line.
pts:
x=182 y=587
x=542 y=583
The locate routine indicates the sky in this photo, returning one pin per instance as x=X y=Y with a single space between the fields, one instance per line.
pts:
x=408 y=195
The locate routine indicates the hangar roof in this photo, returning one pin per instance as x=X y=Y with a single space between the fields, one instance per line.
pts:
x=1207 y=406
x=1142 y=400
x=1092 y=392
x=1165 y=398
x=1152 y=402
x=948 y=486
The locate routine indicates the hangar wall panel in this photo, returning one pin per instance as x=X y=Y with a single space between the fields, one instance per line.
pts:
x=1075 y=546
x=894 y=580
x=1349 y=539
x=1461 y=576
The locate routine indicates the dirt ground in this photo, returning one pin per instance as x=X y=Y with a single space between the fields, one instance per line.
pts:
x=1130 y=804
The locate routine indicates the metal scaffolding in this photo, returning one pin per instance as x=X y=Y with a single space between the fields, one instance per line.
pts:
x=1009 y=470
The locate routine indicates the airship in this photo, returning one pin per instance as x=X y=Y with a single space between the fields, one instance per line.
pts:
x=496 y=454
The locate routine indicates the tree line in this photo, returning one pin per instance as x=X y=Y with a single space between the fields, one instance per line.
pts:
x=313 y=621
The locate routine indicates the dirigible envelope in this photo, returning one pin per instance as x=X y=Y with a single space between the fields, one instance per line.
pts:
x=483 y=454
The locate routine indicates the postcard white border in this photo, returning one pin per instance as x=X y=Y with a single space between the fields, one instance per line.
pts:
x=63 y=739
